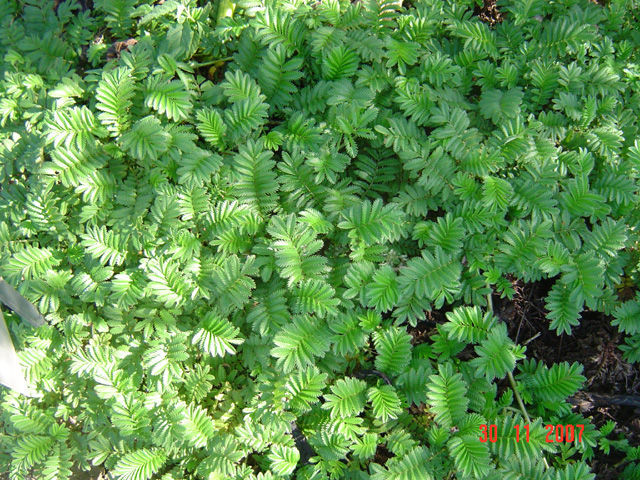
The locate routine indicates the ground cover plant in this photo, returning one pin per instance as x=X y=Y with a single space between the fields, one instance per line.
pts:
x=277 y=239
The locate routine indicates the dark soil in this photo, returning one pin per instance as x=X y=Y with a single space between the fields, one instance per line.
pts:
x=424 y=329
x=382 y=455
x=594 y=343
x=489 y=12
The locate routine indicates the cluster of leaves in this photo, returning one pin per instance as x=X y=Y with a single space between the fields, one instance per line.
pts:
x=232 y=219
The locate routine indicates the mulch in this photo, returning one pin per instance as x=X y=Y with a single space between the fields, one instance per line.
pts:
x=612 y=389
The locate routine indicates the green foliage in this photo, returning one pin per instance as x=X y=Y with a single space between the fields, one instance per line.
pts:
x=114 y=99
x=447 y=396
x=146 y=139
x=372 y=223
x=246 y=217
x=497 y=355
x=394 y=350
x=385 y=402
x=550 y=384
x=139 y=464
x=347 y=398
x=470 y=456
x=168 y=98
x=499 y=105
x=305 y=388
x=315 y=296
x=434 y=277
x=298 y=343
x=468 y=324
x=104 y=245
x=211 y=127
x=216 y=336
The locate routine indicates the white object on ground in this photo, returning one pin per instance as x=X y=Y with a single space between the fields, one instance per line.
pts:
x=11 y=374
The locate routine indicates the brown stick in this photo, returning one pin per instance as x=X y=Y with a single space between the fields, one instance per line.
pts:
x=588 y=400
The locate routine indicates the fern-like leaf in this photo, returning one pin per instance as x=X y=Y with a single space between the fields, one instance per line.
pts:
x=305 y=388
x=413 y=465
x=168 y=98
x=430 y=275
x=283 y=459
x=75 y=127
x=341 y=62
x=212 y=127
x=299 y=343
x=198 y=426
x=30 y=450
x=217 y=336
x=497 y=355
x=394 y=350
x=105 y=245
x=550 y=384
x=627 y=316
x=385 y=402
x=29 y=263
x=114 y=93
x=382 y=293
x=470 y=456
x=74 y=167
x=256 y=176
x=140 y=464
x=315 y=296
x=347 y=398
x=564 y=307
x=295 y=245
x=373 y=222
x=468 y=324
x=447 y=396
x=166 y=283
x=277 y=27
x=146 y=139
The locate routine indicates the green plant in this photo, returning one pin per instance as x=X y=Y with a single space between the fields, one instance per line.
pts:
x=222 y=253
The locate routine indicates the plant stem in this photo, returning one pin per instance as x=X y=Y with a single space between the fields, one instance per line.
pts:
x=513 y=409
x=512 y=382
x=205 y=64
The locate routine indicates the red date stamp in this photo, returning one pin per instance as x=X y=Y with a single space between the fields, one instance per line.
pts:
x=564 y=433
x=555 y=433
